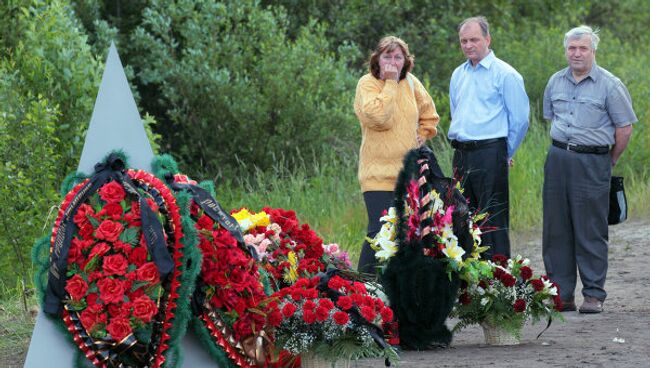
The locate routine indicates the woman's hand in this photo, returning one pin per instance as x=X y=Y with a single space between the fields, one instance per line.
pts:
x=390 y=72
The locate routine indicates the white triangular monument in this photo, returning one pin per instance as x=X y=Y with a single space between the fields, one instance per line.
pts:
x=115 y=123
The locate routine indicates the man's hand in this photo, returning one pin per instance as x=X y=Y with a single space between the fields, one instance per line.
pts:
x=511 y=162
x=420 y=140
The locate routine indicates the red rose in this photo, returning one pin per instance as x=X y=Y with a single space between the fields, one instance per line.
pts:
x=119 y=328
x=119 y=310
x=508 y=280
x=519 y=306
x=89 y=318
x=386 y=314
x=558 y=302
x=109 y=230
x=76 y=287
x=93 y=303
x=148 y=272
x=309 y=316
x=526 y=272
x=465 y=299
x=99 y=250
x=138 y=256
x=81 y=217
x=341 y=318
x=115 y=265
x=289 y=309
x=144 y=309
x=538 y=284
x=112 y=192
x=125 y=248
x=112 y=210
x=500 y=259
x=111 y=290
x=133 y=217
x=321 y=314
x=344 y=302
x=86 y=231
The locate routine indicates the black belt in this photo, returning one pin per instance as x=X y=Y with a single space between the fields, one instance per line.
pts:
x=578 y=148
x=472 y=145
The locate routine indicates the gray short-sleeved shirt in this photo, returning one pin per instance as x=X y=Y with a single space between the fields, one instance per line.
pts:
x=587 y=112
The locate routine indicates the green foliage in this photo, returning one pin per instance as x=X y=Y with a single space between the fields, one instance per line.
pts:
x=229 y=86
x=28 y=148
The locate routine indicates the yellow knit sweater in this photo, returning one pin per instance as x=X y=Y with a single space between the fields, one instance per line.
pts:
x=391 y=118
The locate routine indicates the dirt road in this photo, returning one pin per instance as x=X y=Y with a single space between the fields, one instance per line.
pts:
x=618 y=338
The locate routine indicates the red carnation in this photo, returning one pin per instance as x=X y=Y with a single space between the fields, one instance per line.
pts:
x=386 y=314
x=345 y=302
x=368 y=313
x=538 y=284
x=321 y=313
x=289 y=309
x=76 y=287
x=526 y=273
x=112 y=192
x=309 y=317
x=205 y=222
x=144 y=308
x=309 y=305
x=326 y=303
x=109 y=230
x=119 y=328
x=296 y=294
x=111 y=290
x=115 y=265
x=275 y=318
x=336 y=283
x=341 y=318
x=519 y=306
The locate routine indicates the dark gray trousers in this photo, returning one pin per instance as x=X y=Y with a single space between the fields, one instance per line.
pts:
x=575 y=233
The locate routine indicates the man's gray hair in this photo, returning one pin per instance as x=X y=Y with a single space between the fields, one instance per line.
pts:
x=482 y=22
x=580 y=31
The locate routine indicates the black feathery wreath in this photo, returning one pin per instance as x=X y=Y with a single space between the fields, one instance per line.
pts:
x=421 y=291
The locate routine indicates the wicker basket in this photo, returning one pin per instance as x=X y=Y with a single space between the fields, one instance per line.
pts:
x=313 y=361
x=495 y=335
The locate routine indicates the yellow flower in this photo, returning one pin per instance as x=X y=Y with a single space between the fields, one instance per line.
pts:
x=247 y=220
x=453 y=251
x=291 y=274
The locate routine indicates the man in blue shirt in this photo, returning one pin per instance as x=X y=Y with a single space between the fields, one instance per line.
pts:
x=489 y=119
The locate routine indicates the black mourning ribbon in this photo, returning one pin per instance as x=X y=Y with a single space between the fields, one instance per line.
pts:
x=550 y=320
x=213 y=209
x=112 y=168
x=375 y=331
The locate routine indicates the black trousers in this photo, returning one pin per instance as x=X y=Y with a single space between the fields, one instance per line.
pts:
x=483 y=172
x=376 y=203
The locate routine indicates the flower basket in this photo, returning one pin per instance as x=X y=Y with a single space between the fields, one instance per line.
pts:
x=496 y=335
x=310 y=360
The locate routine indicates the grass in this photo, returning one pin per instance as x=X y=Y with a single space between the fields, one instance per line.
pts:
x=16 y=325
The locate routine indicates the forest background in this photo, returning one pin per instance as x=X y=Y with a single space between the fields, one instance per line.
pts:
x=257 y=96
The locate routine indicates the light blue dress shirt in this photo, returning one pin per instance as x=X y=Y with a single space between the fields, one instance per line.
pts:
x=488 y=101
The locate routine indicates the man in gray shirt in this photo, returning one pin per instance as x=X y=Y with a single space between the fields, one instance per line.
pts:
x=592 y=116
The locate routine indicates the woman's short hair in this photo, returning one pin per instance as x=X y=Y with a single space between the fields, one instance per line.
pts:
x=390 y=43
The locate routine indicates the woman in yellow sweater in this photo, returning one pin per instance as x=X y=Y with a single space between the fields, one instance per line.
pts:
x=396 y=114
